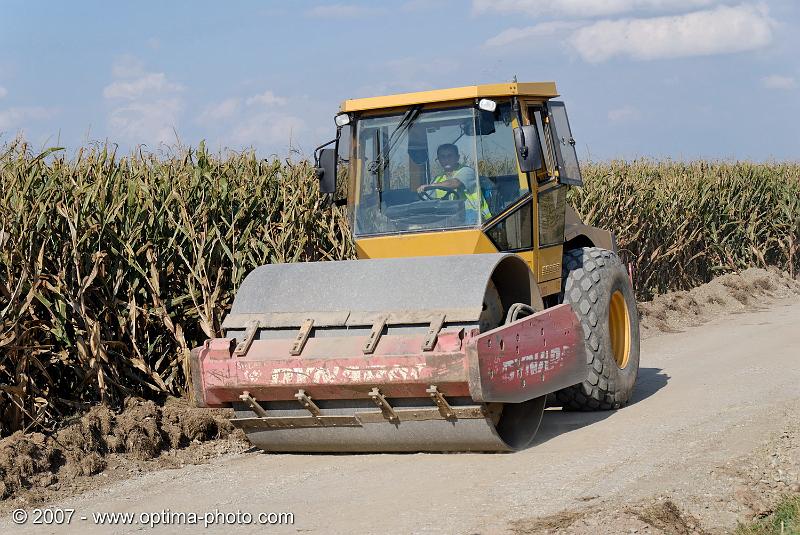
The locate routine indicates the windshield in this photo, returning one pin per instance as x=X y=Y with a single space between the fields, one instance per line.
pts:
x=435 y=169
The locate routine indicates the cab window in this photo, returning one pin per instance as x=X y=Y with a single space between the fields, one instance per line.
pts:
x=497 y=160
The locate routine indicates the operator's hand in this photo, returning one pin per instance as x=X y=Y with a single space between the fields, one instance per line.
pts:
x=422 y=188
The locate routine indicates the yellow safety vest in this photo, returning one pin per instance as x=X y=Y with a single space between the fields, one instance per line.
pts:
x=472 y=198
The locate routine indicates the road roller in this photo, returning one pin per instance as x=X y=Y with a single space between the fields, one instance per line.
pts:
x=478 y=299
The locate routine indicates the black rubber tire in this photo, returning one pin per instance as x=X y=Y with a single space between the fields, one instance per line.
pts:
x=590 y=276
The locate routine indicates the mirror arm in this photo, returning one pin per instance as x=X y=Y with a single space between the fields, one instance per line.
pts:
x=328 y=181
x=334 y=140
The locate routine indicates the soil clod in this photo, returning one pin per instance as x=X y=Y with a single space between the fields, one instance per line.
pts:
x=142 y=431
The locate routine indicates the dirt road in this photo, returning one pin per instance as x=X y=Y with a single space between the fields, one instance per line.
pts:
x=705 y=396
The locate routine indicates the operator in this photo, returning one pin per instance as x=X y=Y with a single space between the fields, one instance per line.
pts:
x=458 y=177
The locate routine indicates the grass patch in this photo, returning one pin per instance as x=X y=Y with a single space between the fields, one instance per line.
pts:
x=785 y=520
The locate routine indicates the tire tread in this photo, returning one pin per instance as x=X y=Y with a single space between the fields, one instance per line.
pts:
x=585 y=277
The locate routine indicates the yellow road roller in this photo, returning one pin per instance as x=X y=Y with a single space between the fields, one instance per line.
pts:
x=478 y=296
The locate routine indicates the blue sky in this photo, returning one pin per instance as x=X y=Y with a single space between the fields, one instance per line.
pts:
x=661 y=78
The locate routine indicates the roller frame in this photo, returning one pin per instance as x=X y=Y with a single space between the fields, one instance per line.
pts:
x=428 y=371
x=528 y=358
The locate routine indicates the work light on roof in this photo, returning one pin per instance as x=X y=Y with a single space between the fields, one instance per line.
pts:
x=342 y=119
x=487 y=104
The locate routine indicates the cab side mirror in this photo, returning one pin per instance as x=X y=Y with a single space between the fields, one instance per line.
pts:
x=326 y=170
x=529 y=148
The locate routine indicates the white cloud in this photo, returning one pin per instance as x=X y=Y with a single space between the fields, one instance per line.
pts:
x=3 y=91
x=221 y=111
x=153 y=82
x=16 y=118
x=264 y=121
x=147 y=105
x=267 y=98
x=127 y=66
x=268 y=129
x=717 y=31
x=776 y=81
x=624 y=114
x=584 y=8
x=230 y=108
x=544 y=29
x=147 y=121
x=340 y=11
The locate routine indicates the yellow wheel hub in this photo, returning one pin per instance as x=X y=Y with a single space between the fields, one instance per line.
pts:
x=619 y=325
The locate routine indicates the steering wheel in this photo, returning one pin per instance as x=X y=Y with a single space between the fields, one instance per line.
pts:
x=450 y=193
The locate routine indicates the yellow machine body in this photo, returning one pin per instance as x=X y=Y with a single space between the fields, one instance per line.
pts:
x=451 y=331
x=544 y=260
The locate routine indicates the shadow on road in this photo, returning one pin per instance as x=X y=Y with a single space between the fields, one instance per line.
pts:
x=650 y=381
x=557 y=422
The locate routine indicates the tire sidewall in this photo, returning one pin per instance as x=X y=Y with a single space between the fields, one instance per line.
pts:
x=591 y=276
x=625 y=378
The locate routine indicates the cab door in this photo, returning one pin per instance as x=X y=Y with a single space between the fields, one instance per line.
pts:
x=549 y=186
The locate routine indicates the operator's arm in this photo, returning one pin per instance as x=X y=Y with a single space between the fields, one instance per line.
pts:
x=451 y=183
x=463 y=179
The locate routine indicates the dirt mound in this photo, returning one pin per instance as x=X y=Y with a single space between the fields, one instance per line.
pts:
x=142 y=431
x=659 y=516
x=730 y=293
x=555 y=523
x=667 y=517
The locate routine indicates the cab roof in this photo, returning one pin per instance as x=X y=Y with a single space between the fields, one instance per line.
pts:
x=528 y=89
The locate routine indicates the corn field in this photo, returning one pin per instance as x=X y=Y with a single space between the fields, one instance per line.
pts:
x=112 y=268
x=681 y=224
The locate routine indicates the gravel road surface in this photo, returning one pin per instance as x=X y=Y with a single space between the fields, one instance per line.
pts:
x=704 y=396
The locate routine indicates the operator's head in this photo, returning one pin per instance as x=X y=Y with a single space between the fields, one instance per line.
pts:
x=448 y=156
